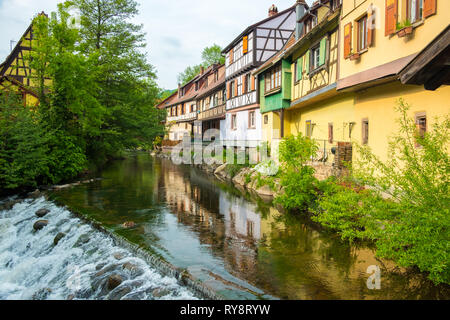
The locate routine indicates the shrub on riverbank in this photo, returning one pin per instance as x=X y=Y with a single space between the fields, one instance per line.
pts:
x=297 y=178
x=412 y=226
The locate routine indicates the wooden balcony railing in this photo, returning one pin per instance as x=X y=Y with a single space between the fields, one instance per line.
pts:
x=212 y=113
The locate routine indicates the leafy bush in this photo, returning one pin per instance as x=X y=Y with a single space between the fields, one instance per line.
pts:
x=354 y=214
x=413 y=227
x=297 y=178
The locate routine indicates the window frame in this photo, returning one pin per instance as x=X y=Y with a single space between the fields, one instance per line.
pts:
x=417 y=117
x=365 y=33
x=312 y=65
x=419 y=16
x=250 y=125
x=273 y=79
x=234 y=122
x=365 y=131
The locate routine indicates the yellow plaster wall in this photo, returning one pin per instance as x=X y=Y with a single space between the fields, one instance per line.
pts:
x=386 y=48
x=377 y=104
x=339 y=110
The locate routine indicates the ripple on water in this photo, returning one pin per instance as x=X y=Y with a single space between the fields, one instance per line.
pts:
x=82 y=266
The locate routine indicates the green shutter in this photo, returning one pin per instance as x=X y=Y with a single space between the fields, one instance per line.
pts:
x=307 y=62
x=299 y=68
x=323 y=51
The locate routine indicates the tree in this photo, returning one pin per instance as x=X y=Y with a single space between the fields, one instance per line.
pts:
x=188 y=74
x=212 y=55
x=126 y=82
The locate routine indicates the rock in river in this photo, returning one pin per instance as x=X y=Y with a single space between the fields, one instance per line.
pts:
x=58 y=238
x=39 y=225
x=42 y=213
x=114 y=281
x=129 y=225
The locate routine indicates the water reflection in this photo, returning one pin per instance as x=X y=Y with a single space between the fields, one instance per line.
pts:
x=241 y=246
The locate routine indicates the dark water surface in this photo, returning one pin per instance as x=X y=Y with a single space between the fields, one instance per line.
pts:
x=237 y=244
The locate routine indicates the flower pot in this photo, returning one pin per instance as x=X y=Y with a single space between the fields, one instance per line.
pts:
x=355 y=56
x=405 y=31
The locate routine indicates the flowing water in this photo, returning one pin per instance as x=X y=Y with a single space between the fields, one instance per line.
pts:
x=32 y=267
x=237 y=244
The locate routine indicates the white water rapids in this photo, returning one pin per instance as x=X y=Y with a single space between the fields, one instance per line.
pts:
x=80 y=266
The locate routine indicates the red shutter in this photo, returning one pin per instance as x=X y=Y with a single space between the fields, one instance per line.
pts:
x=235 y=88
x=229 y=90
x=347 y=40
x=244 y=84
x=370 y=27
x=429 y=8
x=391 y=16
x=231 y=56
x=252 y=79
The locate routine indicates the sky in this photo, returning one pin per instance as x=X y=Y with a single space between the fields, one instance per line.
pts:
x=176 y=30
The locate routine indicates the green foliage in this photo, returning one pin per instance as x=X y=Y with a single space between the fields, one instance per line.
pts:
x=97 y=95
x=413 y=226
x=212 y=55
x=188 y=74
x=23 y=148
x=297 y=178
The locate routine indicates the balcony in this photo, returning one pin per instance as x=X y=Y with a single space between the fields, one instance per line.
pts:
x=184 y=117
x=213 y=113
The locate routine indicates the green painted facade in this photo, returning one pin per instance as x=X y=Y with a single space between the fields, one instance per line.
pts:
x=280 y=99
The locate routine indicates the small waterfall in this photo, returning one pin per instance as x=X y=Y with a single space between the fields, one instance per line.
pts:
x=85 y=263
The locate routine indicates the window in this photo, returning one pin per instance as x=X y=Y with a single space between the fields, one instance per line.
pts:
x=272 y=79
x=233 y=122
x=216 y=75
x=248 y=83
x=196 y=86
x=266 y=119
x=232 y=89
x=315 y=57
x=421 y=123
x=251 y=119
x=362 y=33
x=330 y=133
x=415 y=10
x=334 y=4
x=308 y=132
x=365 y=131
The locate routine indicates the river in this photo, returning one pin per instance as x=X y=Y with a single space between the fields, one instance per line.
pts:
x=237 y=244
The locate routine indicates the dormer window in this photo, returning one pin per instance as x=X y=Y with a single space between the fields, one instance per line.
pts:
x=196 y=86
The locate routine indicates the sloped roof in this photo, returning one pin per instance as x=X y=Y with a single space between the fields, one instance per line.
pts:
x=204 y=91
x=253 y=26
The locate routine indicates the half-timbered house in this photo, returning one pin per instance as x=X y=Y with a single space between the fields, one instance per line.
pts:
x=211 y=99
x=181 y=111
x=254 y=46
x=302 y=77
x=15 y=71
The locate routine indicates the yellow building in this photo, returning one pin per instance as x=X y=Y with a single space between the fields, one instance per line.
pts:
x=15 y=71
x=380 y=38
x=350 y=64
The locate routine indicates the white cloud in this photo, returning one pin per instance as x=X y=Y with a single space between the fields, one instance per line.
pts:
x=177 y=31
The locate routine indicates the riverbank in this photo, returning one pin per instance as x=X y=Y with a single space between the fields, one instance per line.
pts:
x=233 y=242
x=343 y=207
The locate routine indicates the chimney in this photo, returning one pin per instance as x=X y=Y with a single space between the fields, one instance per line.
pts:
x=300 y=11
x=273 y=11
x=202 y=69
